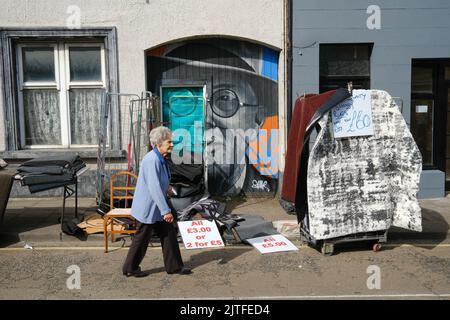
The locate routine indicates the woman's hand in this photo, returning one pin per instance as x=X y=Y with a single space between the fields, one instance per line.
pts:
x=168 y=217
x=171 y=192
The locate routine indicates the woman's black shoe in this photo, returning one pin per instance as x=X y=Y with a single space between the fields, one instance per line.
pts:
x=183 y=270
x=137 y=274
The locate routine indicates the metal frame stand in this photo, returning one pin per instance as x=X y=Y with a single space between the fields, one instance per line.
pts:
x=327 y=246
x=68 y=192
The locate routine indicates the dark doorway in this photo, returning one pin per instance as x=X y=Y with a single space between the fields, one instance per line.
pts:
x=430 y=113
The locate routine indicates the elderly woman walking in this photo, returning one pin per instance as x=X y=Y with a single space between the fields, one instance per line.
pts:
x=151 y=210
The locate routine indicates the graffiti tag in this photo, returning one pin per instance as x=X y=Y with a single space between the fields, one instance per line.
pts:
x=260 y=185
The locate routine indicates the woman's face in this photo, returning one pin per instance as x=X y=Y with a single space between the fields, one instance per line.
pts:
x=166 y=146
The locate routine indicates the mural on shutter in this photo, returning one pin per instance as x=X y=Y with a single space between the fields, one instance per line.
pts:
x=241 y=117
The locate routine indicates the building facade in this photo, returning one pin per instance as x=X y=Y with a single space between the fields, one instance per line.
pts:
x=240 y=65
x=401 y=47
x=58 y=58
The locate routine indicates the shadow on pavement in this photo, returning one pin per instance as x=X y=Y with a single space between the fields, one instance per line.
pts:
x=221 y=256
x=205 y=257
x=434 y=231
x=33 y=223
x=155 y=270
x=233 y=203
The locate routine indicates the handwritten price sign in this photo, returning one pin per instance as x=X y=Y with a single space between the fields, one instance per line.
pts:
x=353 y=117
x=274 y=243
x=200 y=234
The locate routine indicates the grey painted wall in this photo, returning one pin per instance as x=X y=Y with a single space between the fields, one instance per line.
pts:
x=410 y=29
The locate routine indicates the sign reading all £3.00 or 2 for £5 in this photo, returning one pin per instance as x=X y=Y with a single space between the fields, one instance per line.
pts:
x=200 y=234
x=353 y=117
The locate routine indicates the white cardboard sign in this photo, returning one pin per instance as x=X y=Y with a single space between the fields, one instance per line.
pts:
x=353 y=117
x=273 y=243
x=200 y=234
x=422 y=109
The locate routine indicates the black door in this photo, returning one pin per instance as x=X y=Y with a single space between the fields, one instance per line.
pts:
x=430 y=113
x=447 y=147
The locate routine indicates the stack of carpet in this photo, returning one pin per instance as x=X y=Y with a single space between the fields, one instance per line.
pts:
x=6 y=182
x=45 y=173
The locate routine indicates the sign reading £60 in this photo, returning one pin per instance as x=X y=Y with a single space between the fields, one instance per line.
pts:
x=353 y=117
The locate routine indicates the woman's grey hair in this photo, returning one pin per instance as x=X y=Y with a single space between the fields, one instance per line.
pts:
x=159 y=135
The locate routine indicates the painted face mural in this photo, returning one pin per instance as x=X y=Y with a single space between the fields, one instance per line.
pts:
x=237 y=81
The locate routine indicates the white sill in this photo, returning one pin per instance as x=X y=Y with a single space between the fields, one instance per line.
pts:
x=85 y=153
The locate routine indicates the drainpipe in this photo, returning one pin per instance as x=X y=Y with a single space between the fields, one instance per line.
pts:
x=288 y=52
x=287 y=108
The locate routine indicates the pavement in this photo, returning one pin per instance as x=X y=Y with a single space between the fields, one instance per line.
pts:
x=34 y=221
x=228 y=273
x=410 y=266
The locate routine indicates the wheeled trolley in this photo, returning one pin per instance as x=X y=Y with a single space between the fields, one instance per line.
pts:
x=375 y=238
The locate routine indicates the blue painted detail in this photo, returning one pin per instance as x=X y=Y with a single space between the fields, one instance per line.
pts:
x=270 y=64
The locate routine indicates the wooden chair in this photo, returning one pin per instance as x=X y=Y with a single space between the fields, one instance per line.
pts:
x=116 y=213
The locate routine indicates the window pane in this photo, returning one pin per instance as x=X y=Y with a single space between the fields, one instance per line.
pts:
x=85 y=115
x=345 y=60
x=38 y=64
x=448 y=127
x=327 y=84
x=422 y=128
x=85 y=64
x=448 y=146
x=447 y=176
x=422 y=80
x=42 y=119
x=343 y=63
x=448 y=101
x=447 y=169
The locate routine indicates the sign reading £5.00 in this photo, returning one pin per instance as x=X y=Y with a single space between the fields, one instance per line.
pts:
x=200 y=234
x=273 y=243
x=353 y=117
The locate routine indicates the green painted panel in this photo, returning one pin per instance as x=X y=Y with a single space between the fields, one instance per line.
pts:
x=183 y=113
